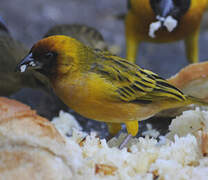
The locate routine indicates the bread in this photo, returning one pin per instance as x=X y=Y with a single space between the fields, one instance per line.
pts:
x=30 y=147
x=193 y=80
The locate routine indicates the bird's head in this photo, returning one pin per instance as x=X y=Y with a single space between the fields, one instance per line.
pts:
x=174 y=8
x=52 y=55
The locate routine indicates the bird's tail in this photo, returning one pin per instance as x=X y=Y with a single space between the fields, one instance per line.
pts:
x=195 y=100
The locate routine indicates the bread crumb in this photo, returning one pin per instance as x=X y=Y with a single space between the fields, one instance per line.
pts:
x=170 y=23
x=153 y=28
x=105 y=169
x=23 y=68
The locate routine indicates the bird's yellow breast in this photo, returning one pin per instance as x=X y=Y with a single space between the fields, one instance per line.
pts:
x=91 y=96
x=141 y=16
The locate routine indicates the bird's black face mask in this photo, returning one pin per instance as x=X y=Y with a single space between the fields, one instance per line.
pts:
x=43 y=63
x=174 y=8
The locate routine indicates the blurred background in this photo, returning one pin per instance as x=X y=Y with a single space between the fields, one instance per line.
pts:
x=28 y=21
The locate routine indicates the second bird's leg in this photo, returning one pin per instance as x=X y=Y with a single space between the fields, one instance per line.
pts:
x=132 y=129
x=132 y=38
x=132 y=47
x=191 y=45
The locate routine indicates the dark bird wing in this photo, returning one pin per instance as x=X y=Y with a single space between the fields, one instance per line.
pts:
x=83 y=33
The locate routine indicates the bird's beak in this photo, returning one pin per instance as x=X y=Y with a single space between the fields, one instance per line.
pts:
x=165 y=7
x=28 y=61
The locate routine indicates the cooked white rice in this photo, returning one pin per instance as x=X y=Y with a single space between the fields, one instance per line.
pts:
x=150 y=132
x=65 y=123
x=177 y=157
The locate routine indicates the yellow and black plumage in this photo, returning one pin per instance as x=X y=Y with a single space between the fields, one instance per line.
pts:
x=142 y=13
x=102 y=86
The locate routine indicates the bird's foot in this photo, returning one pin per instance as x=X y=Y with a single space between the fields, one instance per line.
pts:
x=125 y=141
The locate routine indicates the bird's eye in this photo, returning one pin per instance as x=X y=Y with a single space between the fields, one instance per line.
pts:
x=49 y=55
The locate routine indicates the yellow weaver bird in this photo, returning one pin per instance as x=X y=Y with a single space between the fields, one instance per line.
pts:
x=142 y=13
x=102 y=86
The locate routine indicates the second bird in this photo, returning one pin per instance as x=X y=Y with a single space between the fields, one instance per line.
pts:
x=164 y=21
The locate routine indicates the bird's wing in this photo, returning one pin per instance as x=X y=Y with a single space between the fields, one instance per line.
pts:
x=83 y=33
x=133 y=84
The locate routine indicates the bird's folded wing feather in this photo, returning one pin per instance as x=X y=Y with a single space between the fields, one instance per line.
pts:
x=133 y=84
